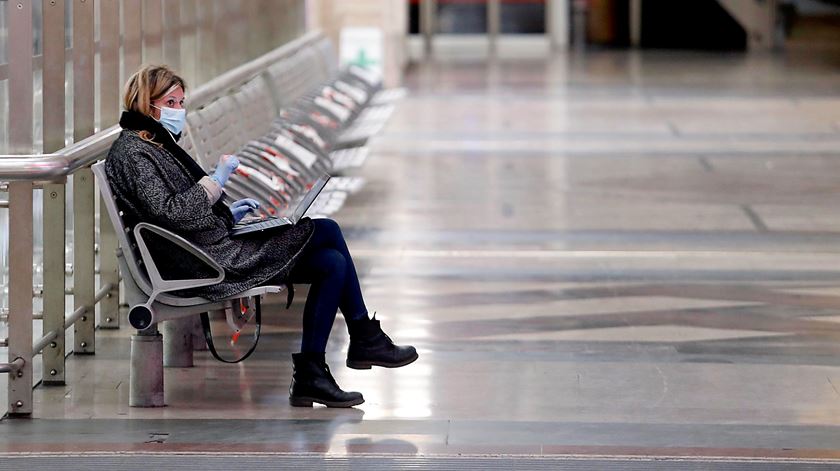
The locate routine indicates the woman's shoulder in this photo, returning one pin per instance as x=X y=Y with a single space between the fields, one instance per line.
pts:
x=129 y=143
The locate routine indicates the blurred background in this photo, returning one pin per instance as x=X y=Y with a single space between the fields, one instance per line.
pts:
x=616 y=213
x=203 y=39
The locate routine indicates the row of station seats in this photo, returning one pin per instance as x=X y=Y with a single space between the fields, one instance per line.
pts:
x=298 y=119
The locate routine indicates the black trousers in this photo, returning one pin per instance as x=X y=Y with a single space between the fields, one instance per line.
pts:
x=327 y=266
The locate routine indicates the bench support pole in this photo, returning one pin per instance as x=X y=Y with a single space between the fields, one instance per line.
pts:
x=146 y=374
x=178 y=342
x=199 y=344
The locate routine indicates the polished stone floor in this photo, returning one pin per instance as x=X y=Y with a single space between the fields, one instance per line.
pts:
x=600 y=256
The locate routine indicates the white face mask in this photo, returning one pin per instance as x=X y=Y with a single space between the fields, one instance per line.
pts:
x=172 y=119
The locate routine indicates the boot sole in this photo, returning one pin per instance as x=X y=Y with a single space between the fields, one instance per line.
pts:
x=366 y=365
x=303 y=401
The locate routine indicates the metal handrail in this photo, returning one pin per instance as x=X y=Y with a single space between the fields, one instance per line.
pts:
x=68 y=321
x=56 y=165
x=12 y=366
x=39 y=167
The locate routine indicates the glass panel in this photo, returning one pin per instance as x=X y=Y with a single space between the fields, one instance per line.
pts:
x=462 y=16
x=523 y=16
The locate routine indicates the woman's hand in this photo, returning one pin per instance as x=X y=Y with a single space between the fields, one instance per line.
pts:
x=227 y=164
x=242 y=207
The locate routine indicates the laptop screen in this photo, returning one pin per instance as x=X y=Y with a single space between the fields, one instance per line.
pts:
x=309 y=198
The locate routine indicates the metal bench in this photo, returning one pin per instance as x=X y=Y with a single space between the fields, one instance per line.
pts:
x=150 y=296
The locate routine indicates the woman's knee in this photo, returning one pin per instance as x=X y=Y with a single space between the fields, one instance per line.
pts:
x=328 y=227
x=330 y=263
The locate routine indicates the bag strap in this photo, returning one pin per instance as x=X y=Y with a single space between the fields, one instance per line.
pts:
x=208 y=334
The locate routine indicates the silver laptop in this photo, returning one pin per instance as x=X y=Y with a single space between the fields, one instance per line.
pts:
x=262 y=224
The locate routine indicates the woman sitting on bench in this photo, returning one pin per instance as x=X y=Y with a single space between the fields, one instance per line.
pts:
x=154 y=180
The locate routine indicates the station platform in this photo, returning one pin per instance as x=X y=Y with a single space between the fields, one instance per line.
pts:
x=606 y=261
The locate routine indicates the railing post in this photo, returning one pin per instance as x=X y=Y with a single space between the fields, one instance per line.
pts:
x=83 y=260
x=172 y=33
x=55 y=194
x=189 y=42
x=132 y=38
x=20 y=295
x=206 y=38
x=19 y=25
x=55 y=199
x=109 y=40
x=152 y=31
x=83 y=189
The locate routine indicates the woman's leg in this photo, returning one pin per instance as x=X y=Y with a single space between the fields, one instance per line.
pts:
x=328 y=235
x=324 y=269
x=326 y=264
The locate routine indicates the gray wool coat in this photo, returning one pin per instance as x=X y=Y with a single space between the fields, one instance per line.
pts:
x=151 y=185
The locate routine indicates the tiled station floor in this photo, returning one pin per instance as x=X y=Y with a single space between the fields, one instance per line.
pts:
x=601 y=256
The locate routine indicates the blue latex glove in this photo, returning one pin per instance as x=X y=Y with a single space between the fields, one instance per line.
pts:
x=227 y=164
x=242 y=207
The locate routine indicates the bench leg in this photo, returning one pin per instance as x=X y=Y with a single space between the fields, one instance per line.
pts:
x=178 y=342
x=146 y=374
x=199 y=344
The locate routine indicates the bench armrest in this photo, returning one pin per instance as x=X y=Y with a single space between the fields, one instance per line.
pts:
x=159 y=285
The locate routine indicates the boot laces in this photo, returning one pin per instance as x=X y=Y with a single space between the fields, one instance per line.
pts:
x=382 y=331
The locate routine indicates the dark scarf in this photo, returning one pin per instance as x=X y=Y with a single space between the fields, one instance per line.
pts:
x=139 y=122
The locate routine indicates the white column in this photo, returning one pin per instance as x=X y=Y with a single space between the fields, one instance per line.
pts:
x=557 y=23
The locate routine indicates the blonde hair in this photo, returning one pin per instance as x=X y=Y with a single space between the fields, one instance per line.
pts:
x=150 y=83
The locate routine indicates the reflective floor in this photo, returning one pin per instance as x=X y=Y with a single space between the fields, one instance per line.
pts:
x=603 y=256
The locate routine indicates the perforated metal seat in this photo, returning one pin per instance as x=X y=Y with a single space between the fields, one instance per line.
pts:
x=352 y=157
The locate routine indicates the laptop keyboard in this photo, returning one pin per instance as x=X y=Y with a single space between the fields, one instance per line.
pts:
x=259 y=225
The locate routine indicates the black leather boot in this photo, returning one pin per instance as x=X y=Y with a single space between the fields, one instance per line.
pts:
x=312 y=382
x=369 y=346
